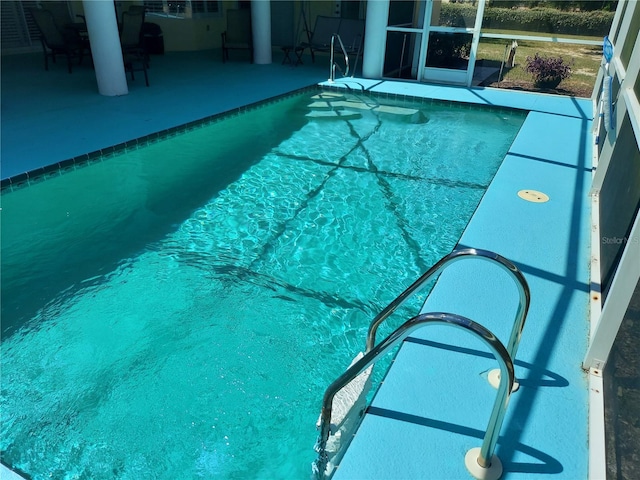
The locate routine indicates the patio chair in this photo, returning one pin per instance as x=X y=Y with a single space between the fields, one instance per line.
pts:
x=319 y=40
x=60 y=12
x=238 y=34
x=134 y=53
x=58 y=40
x=351 y=32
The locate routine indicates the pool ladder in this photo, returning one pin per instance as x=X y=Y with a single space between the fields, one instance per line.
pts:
x=481 y=462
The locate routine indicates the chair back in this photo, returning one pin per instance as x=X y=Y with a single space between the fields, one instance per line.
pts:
x=51 y=34
x=324 y=29
x=239 y=26
x=60 y=12
x=130 y=36
x=352 y=34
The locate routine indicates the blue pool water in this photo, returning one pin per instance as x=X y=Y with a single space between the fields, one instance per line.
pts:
x=177 y=310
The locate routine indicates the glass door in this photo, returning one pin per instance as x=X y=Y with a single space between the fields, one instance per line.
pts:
x=451 y=40
x=433 y=40
x=405 y=33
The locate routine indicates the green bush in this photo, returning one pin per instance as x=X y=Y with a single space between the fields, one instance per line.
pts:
x=548 y=20
x=457 y=14
x=547 y=71
x=570 y=5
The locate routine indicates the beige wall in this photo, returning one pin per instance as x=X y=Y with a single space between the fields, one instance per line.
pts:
x=189 y=34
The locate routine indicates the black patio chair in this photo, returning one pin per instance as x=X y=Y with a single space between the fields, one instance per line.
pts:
x=134 y=53
x=57 y=39
x=238 y=34
x=351 y=32
x=319 y=40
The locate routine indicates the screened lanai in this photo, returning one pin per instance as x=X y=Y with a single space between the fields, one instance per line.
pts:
x=460 y=50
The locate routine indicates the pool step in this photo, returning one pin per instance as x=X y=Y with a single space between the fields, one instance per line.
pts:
x=321 y=105
x=328 y=96
x=333 y=114
x=389 y=109
x=327 y=105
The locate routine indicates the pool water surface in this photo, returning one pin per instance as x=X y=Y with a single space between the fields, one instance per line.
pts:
x=177 y=310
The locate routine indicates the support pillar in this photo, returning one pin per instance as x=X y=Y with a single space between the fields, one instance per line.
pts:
x=375 y=38
x=105 y=47
x=261 y=30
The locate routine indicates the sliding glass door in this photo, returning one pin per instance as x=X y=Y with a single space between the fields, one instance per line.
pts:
x=452 y=37
x=433 y=40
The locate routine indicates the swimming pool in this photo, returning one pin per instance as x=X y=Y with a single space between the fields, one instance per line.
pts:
x=177 y=310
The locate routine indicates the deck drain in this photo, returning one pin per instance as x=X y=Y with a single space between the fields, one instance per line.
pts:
x=533 y=196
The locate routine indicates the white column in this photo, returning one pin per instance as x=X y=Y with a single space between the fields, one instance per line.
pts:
x=375 y=38
x=261 y=30
x=105 y=47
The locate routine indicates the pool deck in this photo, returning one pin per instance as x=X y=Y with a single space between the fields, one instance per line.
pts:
x=421 y=418
x=52 y=116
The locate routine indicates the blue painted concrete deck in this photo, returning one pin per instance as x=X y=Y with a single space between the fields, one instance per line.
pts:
x=435 y=402
x=49 y=117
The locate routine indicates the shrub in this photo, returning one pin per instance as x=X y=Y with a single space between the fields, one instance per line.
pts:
x=539 y=19
x=547 y=71
x=457 y=14
x=549 y=20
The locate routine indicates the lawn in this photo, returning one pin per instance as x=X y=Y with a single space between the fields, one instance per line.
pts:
x=584 y=60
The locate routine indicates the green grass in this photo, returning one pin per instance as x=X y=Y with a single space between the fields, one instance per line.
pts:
x=584 y=60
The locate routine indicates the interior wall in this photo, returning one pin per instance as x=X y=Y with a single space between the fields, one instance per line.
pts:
x=191 y=34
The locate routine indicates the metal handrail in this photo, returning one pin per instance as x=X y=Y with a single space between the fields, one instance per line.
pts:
x=499 y=407
x=332 y=64
x=516 y=275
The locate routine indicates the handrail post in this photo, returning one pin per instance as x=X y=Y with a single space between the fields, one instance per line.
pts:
x=332 y=64
x=332 y=71
x=485 y=456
